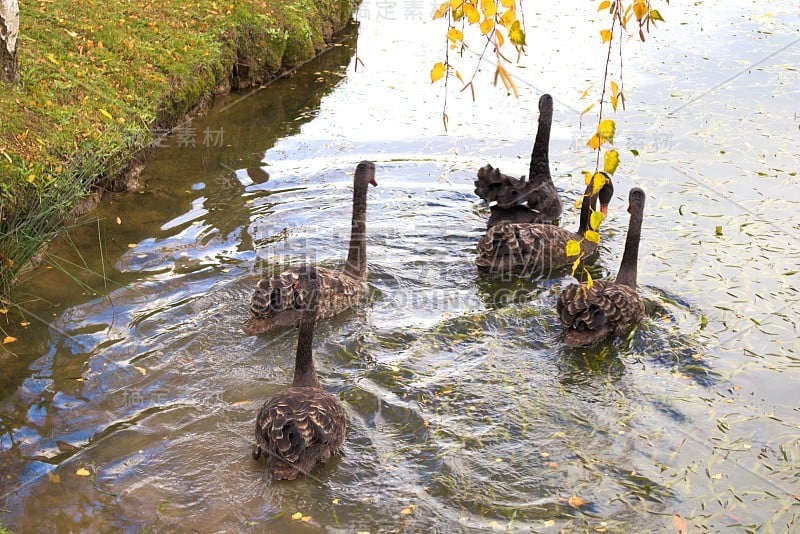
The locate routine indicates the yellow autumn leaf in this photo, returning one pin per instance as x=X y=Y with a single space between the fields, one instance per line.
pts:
x=405 y=511
x=297 y=516
x=587 y=178
x=606 y=130
x=596 y=219
x=592 y=236
x=639 y=9
x=52 y=59
x=508 y=3
x=575 y=265
x=586 y=109
x=605 y=35
x=656 y=15
x=3 y=311
x=439 y=13
x=305 y=518
x=55 y=478
x=508 y=18
x=589 y=281
x=455 y=4
x=573 y=248
x=610 y=161
x=489 y=8
x=486 y=25
x=106 y=114
x=9 y=339
x=471 y=12
x=24 y=324
x=31 y=178
x=455 y=35
x=605 y=4
x=516 y=34
x=83 y=472
x=437 y=72
x=458 y=75
x=598 y=181
x=594 y=142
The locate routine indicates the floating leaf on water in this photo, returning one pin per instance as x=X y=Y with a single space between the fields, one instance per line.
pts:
x=405 y=511
x=335 y=501
x=549 y=522
x=119 y=221
x=131 y=245
x=9 y=339
x=297 y=516
x=83 y=472
x=576 y=501
x=141 y=369
x=679 y=523
x=55 y=478
x=305 y=518
x=25 y=323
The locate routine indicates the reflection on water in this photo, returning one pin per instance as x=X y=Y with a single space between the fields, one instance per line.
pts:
x=131 y=400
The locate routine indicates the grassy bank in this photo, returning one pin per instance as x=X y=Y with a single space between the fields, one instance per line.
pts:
x=98 y=80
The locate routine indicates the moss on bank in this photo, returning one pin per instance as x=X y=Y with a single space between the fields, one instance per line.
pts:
x=100 y=79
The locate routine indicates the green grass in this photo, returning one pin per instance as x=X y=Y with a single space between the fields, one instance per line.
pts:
x=98 y=78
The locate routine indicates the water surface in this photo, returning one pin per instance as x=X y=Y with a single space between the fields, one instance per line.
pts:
x=465 y=410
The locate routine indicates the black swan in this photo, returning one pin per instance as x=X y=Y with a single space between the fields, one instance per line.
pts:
x=533 y=201
x=539 y=248
x=304 y=425
x=277 y=301
x=608 y=308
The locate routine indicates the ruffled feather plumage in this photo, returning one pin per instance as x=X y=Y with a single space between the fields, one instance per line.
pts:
x=538 y=248
x=278 y=301
x=517 y=200
x=298 y=428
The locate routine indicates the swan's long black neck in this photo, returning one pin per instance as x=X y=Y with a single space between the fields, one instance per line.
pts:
x=587 y=205
x=540 y=163
x=356 y=264
x=630 y=257
x=305 y=375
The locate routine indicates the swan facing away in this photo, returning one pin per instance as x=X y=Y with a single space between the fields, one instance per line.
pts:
x=608 y=307
x=278 y=300
x=303 y=425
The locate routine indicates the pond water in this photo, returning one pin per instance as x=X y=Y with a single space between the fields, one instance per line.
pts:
x=465 y=410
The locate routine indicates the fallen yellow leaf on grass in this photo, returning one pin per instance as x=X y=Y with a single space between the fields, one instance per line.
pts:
x=9 y=339
x=83 y=472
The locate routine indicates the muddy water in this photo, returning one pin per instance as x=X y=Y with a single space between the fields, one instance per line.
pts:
x=465 y=410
